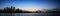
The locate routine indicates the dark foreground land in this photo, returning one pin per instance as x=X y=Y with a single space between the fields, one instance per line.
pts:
x=28 y=12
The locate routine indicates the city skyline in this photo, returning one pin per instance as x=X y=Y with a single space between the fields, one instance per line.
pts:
x=12 y=9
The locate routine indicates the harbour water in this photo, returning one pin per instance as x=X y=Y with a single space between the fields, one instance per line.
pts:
x=29 y=14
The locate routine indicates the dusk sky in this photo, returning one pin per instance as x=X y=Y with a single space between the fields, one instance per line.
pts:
x=28 y=4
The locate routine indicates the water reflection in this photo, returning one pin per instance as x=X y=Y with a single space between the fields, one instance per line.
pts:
x=28 y=14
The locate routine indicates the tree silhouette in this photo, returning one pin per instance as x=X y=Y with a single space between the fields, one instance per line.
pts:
x=18 y=10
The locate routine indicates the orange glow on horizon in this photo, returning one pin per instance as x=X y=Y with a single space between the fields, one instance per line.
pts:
x=29 y=9
x=34 y=10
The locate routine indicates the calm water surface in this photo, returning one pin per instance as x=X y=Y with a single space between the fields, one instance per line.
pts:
x=29 y=14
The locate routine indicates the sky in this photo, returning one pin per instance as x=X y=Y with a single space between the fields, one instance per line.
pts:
x=29 y=4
